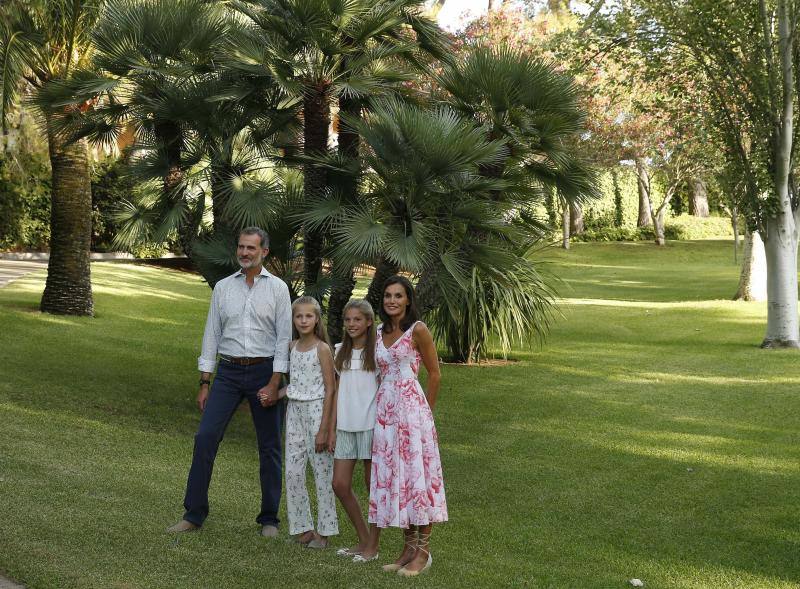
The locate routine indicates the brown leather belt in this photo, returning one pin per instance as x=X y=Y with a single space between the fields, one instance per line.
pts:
x=243 y=361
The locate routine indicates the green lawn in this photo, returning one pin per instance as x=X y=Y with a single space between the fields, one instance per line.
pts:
x=649 y=437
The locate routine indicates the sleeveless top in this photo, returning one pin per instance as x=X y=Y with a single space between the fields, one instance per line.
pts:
x=305 y=376
x=355 y=404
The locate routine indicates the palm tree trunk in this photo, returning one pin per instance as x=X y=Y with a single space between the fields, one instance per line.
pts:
x=170 y=137
x=221 y=169
x=344 y=275
x=316 y=122
x=68 y=290
x=344 y=280
x=383 y=270
x=428 y=296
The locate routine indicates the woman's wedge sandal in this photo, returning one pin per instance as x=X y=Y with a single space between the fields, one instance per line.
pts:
x=409 y=541
x=423 y=545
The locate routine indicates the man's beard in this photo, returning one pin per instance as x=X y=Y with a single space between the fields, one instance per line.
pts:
x=253 y=263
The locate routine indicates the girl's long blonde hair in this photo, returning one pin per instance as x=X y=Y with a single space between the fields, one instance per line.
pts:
x=319 y=328
x=345 y=353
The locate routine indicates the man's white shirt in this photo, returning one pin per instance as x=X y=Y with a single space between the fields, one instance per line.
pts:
x=247 y=322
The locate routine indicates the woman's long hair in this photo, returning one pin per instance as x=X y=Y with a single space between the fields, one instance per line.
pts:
x=412 y=315
x=345 y=353
x=319 y=328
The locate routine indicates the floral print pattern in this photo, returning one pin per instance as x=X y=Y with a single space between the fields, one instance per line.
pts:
x=407 y=488
x=303 y=419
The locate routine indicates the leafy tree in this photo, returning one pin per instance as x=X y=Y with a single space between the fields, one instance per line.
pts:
x=748 y=55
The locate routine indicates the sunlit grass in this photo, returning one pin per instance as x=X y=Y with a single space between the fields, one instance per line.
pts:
x=649 y=437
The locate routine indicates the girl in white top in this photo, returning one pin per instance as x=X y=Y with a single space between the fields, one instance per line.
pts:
x=354 y=413
x=308 y=419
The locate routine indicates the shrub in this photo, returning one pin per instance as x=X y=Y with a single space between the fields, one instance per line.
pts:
x=610 y=234
x=110 y=186
x=689 y=227
x=25 y=203
x=684 y=227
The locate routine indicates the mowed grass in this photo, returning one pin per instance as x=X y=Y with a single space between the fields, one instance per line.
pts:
x=648 y=438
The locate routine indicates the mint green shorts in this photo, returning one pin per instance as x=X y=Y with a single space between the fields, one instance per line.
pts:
x=353 y=445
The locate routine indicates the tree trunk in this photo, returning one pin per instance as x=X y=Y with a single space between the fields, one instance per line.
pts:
x=657 y=217
x=68 y=289
x=735 y=227
x=643 y=185
x=753 y=278
x=618 y=217
x=550 y=206
x=565 y=217
x=428 y=296
x=344 y=276
x=462 y=351
x=781 y=253
x=575 y=218
x=783 y=329
x=383 y=270
x=698 y=200
x=344 y=280
x=658 y=225
x=220 y=182
x=316 y=124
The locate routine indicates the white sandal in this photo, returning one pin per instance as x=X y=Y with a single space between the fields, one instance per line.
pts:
x=358 y=558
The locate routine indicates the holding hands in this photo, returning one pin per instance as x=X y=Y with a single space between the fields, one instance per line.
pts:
x=270 y=394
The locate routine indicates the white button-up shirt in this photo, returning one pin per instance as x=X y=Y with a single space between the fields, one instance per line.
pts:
x=248 y=322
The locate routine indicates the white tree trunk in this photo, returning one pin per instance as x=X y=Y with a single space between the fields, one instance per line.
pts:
x=565 y=219
x=698 y=200
x=753 y=278
x=781 y=240
x=783 y=329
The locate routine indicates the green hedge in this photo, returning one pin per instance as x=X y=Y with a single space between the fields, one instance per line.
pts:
x=683 y=227
x=689 y=227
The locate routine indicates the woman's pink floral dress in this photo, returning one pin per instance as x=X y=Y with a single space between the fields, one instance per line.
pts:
x=407 y=486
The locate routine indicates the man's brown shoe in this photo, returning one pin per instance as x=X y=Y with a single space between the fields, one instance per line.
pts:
x=269 y=531
x=182 y=526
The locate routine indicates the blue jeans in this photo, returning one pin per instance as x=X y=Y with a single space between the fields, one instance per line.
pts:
x=232 y=384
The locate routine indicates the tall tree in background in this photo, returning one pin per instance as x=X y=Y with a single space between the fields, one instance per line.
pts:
x=326 y=52
x=42 y=42
x=749 y=57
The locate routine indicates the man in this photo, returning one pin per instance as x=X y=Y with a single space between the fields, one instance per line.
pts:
x=249 y=326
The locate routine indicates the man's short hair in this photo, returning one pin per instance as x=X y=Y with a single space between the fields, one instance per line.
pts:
x=257 y=231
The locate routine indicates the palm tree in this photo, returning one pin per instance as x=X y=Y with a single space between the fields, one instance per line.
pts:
x=534 y=109
x=427 y=195
x=327 y=51
x=200 y=129
x=42 y=42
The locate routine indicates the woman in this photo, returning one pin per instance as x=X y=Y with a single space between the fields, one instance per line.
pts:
x=406 y=488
